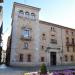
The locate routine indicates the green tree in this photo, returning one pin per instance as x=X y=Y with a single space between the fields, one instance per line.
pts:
x=43 y=69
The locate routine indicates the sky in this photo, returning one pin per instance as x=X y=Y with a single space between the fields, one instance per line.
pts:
x=60 y=12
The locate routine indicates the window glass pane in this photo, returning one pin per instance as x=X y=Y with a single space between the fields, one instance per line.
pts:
x=21 y=11
x=21 y=57
x=32 y=15
x=26 y=45
x=28 y=58
x=27 y=14
x=26 y=33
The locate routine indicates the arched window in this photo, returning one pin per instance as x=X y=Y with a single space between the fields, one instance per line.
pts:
x=43 y=36
x=21 y=12
x=32 y=15
x=27 y=14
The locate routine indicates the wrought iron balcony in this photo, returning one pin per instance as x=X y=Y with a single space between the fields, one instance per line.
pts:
x=29 y=38
x=53 y=41
x=70 y=44
x=21 y=15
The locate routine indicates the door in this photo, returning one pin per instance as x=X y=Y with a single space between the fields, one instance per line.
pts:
x=53 y=58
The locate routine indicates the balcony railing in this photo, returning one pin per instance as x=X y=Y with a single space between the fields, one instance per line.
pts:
x=29 y=38
x=21 y=15
x=70 y=44
x=53 y=41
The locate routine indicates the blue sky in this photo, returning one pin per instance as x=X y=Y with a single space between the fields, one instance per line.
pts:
x=56 y=11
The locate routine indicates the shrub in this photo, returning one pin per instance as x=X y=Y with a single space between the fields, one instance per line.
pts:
x=43 y=69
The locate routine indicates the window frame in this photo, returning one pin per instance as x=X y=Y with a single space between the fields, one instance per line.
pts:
x=27 y=14
x=26 y=32
x=29 y=58
x=21 y=58
x=68 y=49
x=32 y=15
x=42 y=59
x=26 y=45
x=21 y=12
x=66 y=58
x=72 y=58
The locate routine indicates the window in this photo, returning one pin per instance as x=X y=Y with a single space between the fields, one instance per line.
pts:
x=67 y=39
x=27 y=14
x=43 y=34
x=26 y=33
x=21 y=57
x=42 y=59
x=67 y=48
x=72 y=58
x=52 y=29
x=53 y=41
x=25 y=45
x=42 y=47
x=53 y=35
x=72 y=40
x=67 y=32
x=72 y=33
x=66 y=58
x=43 y=37
x=73 y=49
x=0 y=9
x=21 y=12
x=28 y=58
x=32 y=15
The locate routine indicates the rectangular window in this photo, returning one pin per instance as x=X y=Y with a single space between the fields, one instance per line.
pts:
x=42 y=59
x=26 y=45
x=26 y=33
x=73 y=49
x=28 y=58
x=72 y=58
x=66 y=58
x=72 y=33
x=67 y=39
x=21 y=58
x=53 y=41
x=72 y=40
x=67 y=48
x=42 y=47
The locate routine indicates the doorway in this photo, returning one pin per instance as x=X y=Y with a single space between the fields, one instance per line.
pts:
x=53 y=58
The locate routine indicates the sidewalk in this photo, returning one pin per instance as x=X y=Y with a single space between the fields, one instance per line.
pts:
x=36 y=68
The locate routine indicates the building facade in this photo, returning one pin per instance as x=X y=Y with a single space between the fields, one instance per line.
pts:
x=1 y=1
x=34 y=41
x=1 y=29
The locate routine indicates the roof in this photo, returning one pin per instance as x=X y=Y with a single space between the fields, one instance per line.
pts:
x=24 y=5
x=56 y=25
